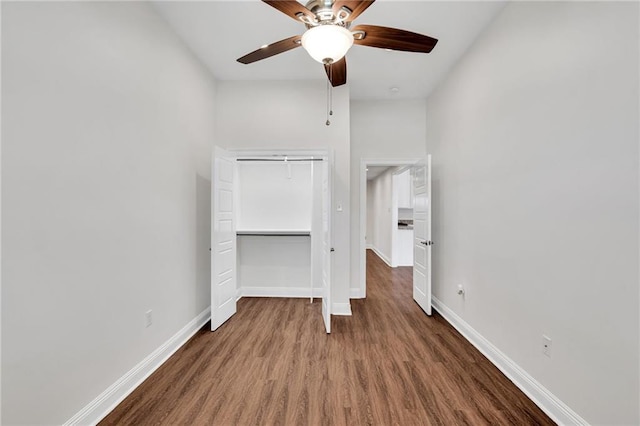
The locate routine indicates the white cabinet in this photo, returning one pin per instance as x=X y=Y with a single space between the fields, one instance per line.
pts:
x=402 y=250
x=405 y=247
x=404 y=188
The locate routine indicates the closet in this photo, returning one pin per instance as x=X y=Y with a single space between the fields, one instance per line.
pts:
x=270 y=230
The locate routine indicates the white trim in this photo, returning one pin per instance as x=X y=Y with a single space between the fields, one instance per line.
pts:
x=541 y=396
x=98 y=409
x=341 y=309
x=393 y=225
x=293 y=292
x=381 y=255
x=401 y=169
x=253 y=152
x=362 y=244
x=356 y=293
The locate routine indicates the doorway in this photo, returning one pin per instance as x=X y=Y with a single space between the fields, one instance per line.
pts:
x=271 y=228
x=403 y=208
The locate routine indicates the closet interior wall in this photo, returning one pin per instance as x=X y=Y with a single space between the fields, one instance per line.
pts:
x=278 y=227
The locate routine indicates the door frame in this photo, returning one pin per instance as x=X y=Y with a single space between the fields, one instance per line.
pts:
x=361 y=291
x=326 y=154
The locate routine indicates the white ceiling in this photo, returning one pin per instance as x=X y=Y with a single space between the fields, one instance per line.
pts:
x=219 y=32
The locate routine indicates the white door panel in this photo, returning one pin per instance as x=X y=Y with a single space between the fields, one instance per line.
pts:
x=419 y=226
x=223 y=239
x=326 y=242
x=225 y=225
x=420 y=257
x=421 y=282
x=421 y=181
x=225 y=200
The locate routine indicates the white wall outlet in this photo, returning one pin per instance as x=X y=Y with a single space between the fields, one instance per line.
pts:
x=148 y=318
x=546 y=345
x=339 y=208
x=460 y=289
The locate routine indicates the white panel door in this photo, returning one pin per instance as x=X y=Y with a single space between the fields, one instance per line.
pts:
x=223 y=238
x=421 y=181
x=326 y=243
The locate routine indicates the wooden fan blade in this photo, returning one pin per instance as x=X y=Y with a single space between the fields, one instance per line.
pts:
x=355 y=6
x=271 y=49
x=291 y=8
x=394 y=39
x=337 y=72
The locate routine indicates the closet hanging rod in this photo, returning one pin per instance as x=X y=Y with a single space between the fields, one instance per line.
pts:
x=266 y=234
x=279 y=159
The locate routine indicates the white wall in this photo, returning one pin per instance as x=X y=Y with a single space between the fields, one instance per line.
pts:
x=370 y=213
x=381 y=130
x=107 y=125
x=277 y=196
x=291 y=115
x=274 y=265
x=274 y=196
x=534 y=137
x=382 y=218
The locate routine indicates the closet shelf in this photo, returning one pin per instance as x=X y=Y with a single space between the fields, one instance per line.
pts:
x=275 y=232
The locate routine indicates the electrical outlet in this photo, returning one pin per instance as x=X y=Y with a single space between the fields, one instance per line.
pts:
x=460 y=289
x=148 y=318
x=546 y=345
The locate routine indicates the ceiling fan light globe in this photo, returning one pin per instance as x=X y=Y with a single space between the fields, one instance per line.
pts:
x=327 y=43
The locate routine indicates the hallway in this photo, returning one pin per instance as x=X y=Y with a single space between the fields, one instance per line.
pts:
x=387 y=364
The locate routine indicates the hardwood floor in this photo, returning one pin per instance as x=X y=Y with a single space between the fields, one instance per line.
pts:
x=272 y=363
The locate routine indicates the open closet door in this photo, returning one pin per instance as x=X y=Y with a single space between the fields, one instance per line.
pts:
x=326 y=243
x=223 y=238
x=421 y=181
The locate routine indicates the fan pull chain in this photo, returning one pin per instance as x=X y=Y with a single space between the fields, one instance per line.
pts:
x=331 y=90
x=328 y=107
x=329 y=94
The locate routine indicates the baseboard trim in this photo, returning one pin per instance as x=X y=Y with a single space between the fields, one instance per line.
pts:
x=293 y=292
x=541 y=396
x=355 y=293
x=384 y=258
x=98 y=409
x=341 y=309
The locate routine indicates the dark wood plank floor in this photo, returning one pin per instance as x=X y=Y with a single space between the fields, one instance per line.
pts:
x=272 y=363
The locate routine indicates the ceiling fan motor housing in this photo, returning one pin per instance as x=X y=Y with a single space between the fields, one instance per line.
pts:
x=324 y=14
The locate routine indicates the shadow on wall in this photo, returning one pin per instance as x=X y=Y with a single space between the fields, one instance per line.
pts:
x=203 y=241
x=437 y=223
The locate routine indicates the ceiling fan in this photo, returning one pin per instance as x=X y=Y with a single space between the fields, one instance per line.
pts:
x=329 y=35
